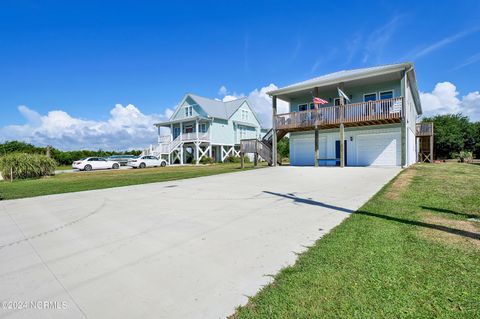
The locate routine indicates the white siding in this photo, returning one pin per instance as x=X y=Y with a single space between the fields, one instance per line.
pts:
x=378 y=149
x=302 y=145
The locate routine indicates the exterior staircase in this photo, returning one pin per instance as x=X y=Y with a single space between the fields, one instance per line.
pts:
x=262 y=147
x=165 y=147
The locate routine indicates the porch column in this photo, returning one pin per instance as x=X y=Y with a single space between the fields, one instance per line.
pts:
x=197 y=146
x=403 y=138
x=210 y=131
x=274 y=131
x=317 y=154
x=210 y=150
x=181 y=131
x=342 y=129
x=171 y=132
x=431 y=148
x=181 y=153
x=196 y=129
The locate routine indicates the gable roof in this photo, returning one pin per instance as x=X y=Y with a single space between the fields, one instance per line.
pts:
x=344 y=75
x=216 y=108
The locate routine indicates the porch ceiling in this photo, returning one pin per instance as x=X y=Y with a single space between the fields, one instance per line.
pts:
x=293 y=93
x=189 y=119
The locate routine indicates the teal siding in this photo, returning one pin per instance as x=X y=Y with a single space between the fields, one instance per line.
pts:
x=356 y=93
x=222 y=132
x=196 y=111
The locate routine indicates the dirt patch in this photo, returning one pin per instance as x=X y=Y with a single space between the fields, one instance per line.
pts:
x=461 y=233
x=400 y=184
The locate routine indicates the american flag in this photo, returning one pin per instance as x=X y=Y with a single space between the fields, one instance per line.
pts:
x=317 y=100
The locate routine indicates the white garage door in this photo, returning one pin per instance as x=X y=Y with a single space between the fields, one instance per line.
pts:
x=302 y=151
x=378 y=149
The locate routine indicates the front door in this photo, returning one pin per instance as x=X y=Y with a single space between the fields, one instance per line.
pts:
x=337 y=151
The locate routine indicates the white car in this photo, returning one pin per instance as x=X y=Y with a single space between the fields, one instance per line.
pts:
x=91 y=163
x=146 y=161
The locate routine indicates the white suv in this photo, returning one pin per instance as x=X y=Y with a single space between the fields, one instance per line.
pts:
x=146 y=161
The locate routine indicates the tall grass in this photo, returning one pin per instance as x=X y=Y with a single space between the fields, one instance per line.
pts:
x=21 y=166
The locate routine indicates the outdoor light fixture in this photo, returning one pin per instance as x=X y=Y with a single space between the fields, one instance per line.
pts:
x=351 y=138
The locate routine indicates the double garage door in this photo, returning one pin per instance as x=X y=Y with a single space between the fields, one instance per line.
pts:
x=378 y=149
x=382 y=148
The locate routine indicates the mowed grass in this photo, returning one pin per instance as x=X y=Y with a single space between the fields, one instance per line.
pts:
x=412 y=251
x=81 y=181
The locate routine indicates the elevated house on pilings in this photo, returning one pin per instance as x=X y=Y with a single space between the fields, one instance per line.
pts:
x=202 y=127
x=373 y=123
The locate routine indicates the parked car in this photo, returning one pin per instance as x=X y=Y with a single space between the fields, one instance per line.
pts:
x=146 y=161
x=91 y=163
x=122 y=159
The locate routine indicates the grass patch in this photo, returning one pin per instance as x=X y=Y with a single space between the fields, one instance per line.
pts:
x=63 y=167
x=413 y=255
x=81 y=181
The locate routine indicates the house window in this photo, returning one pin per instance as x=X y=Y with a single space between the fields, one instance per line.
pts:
x=203 y=127
x=369 y=97
x=188 y=110
x=302 y=107
x=244 y=115
x=312 y=106
x=243 y=131
x=386 y=95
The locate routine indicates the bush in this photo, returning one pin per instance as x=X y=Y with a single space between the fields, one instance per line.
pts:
x=232 y=159
x=464 y=156
x=206 y=160
x=26 y=165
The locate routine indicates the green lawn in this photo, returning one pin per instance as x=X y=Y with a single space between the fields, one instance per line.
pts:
x=410 y=252
x=81 y=181
x=63 y=167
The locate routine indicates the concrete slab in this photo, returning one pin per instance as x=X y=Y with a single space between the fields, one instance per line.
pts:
x=183 y=249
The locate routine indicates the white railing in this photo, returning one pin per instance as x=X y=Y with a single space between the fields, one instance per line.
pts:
x=164 y=139
x=193 y=136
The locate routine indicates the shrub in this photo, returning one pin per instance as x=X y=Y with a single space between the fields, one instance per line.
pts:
x=464 y=156
x=232 y=159
x=206 y=160
x=26 y=165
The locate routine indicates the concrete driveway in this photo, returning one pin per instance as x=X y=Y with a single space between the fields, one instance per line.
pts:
x=192 y=248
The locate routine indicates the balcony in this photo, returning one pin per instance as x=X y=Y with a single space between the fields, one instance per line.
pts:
x=355 y=114
x=185 y=137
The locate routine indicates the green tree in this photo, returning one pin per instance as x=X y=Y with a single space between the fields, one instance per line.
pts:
x=453 y=133
x=283 y=147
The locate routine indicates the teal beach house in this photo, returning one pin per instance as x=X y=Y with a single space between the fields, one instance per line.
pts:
x=202 y=127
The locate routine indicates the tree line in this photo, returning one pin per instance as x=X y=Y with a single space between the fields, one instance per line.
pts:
x=454 y=133
x=61 y=157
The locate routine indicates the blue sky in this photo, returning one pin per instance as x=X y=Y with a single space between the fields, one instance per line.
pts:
x=85 y=57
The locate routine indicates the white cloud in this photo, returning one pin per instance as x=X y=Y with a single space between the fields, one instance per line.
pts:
x=222 y=90
x=262 y=103
x=379 y=39
x=444 y=42
x=126 y=128
x=444 y=99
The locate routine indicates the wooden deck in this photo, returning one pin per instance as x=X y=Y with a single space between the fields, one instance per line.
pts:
x=356 y=114
x=424 y=129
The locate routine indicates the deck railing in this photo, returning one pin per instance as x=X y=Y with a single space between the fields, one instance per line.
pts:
x=388 y=109
x=424 y=129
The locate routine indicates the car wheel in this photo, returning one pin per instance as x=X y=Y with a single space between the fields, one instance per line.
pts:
x=163 y=164
x=88 y=168
x=142 y=165
x=115 y=166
